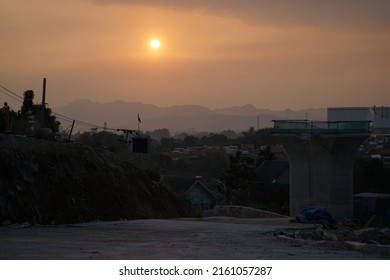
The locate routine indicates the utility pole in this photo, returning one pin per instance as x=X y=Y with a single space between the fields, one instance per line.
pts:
x=71 y=130
x=43 y=102
x=139 y=122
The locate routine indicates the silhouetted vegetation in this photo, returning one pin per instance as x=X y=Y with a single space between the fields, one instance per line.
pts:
x=105 y=140
x=237 y=171
x=32 y=119
x=243 y=189
x=45 y=182
x=272 y=197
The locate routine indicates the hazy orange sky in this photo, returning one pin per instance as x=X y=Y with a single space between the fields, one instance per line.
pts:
x=218 y=53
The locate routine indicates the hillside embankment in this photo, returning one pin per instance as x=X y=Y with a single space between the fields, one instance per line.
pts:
x=43 y=182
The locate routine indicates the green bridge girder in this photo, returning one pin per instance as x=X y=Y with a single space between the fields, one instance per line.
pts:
x=320 y=127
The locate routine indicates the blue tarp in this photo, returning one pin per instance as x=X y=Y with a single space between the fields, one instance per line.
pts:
x=316 y=214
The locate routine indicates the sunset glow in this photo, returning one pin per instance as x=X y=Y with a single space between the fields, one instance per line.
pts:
x=272 y=54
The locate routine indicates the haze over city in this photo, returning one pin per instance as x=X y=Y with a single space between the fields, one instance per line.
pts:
x=272 y=54
x=197 y=137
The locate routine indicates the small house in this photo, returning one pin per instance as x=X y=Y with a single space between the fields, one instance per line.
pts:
x=202 y=197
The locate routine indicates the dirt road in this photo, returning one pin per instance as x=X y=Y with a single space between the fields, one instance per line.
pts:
x=212 y=238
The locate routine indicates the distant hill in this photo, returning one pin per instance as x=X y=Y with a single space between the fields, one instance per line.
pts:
x=178 y=118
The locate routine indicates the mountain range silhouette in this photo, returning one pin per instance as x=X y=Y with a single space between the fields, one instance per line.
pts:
x=179 y=118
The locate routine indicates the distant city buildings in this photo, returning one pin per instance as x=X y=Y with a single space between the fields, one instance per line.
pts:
x=378 y=144
x=379 y=116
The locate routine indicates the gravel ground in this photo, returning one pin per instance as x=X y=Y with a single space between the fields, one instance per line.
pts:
x=188 y=239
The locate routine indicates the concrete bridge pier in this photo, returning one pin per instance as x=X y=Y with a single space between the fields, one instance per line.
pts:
x=321 y=169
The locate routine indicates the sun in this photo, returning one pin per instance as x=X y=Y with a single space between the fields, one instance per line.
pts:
x=155 y=44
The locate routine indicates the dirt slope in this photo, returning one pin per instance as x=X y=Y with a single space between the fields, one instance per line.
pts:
x=44 y=182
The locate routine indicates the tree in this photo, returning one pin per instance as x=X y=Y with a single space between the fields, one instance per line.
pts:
x=263 y=155
x=238 y=178
x=214 y=139
x=169 y=143
x=157 y=163
x=190 y=140
x=230 y=134
x=160 y=133
x=28 y=103
x=50 y=120
x=261 y=137
x=249 y=133
x=103 y=139
x=212 y=163
x=30 y=111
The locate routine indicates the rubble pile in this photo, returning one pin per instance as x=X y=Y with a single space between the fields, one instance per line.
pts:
x=341 y=233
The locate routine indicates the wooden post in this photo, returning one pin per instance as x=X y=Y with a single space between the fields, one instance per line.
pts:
x=43 y=102
x=71 y=130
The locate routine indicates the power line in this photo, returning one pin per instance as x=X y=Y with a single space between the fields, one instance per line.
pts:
x=84 y=123
x=14 y=95
x=9 y=95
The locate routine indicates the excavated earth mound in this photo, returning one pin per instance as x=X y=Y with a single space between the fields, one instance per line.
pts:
x=43 y=182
